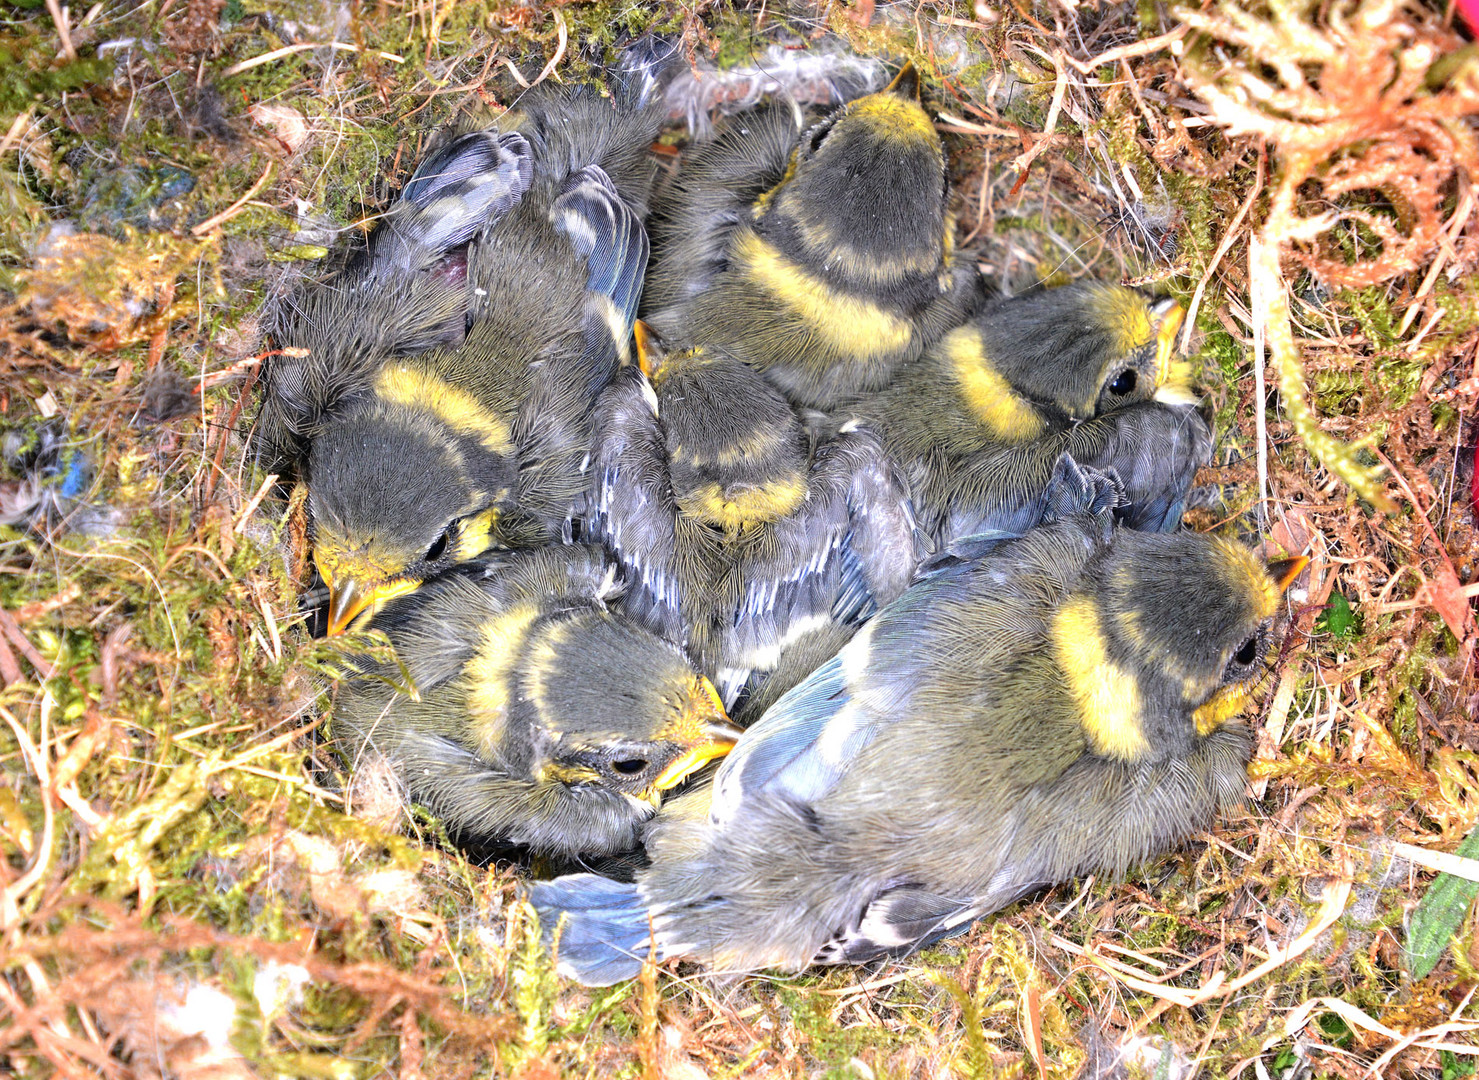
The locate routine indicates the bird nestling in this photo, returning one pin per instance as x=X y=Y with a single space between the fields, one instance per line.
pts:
x=1090 y=369
x=756 y=543
x=535 y=716
x=822 y=256
x=436 y=396
x=1061 y=704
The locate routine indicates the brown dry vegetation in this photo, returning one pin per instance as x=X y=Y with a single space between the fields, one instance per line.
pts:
x=187 y=886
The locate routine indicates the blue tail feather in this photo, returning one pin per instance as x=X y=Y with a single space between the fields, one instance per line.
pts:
x=602 y=927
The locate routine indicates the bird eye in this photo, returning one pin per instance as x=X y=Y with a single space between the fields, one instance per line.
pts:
x=1123 y=383
x=629 y=766
x=1242 y=661
x=439 y=545
x=1247 y=652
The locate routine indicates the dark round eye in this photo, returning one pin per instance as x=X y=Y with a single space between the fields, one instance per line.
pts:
x=439 y=545
x=1123 y=383
x=1247 y=652
x=629 y=766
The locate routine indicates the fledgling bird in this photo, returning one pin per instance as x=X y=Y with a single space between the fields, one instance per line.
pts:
x=535 y=715
x=1060 y=705
x=749 y=539
x=823 y=257
x=1090 y=370
x=419 y=458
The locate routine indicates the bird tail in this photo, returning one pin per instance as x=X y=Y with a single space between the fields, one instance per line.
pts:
x=599 y=927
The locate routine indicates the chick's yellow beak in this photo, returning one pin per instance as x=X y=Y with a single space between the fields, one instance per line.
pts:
x=721 y=741
x=356 y=592
x=1172 y=374
x=709 y=724
x=649 y=356
x=906 y=82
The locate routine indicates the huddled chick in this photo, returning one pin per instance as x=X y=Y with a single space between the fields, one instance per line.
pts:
x=823 y=256
x=744 y=536
x=1089 y=369
x=1056 y=706
x=526 y=711
x=418 y=459
x=921 y=547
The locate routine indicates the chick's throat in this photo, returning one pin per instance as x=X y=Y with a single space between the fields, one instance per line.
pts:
x=1224 y=705
x=700 y=725
x=1106 y=696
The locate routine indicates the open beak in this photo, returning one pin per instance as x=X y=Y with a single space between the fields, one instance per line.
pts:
x=720 y=738
x=351 y=599
x=1284 y=571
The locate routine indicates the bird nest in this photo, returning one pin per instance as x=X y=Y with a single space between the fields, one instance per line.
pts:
x=191 y=886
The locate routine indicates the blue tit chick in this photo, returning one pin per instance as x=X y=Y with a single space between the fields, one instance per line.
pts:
x=524 y=712
x=823 y=257
x=1060 y=705
x=1090 y=369
x=744 y=536
x=418 y=459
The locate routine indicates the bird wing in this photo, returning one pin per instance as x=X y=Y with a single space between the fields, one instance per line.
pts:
x=610 y=237
x=883 y=541
x=849 y=550
x=552 y=430
x=809 y=738
x=1155 y=449
x=631 y=508
x=455 y=193
x=1070 y=489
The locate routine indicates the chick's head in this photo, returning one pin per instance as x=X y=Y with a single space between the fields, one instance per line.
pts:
x=866 y=197
x=1168 y=640
x=396 y=496
x=1088 y=348
x=585 y=702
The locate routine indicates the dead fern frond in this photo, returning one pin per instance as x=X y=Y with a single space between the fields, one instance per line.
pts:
x=1344 y=102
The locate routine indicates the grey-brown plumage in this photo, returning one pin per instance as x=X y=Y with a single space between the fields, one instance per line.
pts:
x=822 y=256
x=1061 y=704
x=419 y=458
x=744 y=535
x=540 y=717
x=1088 y=370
